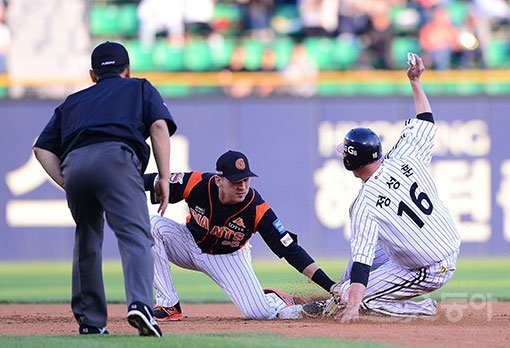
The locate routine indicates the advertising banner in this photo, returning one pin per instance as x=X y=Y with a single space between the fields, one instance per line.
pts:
x=291 y=146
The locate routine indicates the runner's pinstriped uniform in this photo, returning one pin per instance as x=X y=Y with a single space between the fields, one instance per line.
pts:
x=224 y=213
x=404 y=242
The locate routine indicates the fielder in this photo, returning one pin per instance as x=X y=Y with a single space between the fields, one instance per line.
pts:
x=404 y=242
x=224 y=213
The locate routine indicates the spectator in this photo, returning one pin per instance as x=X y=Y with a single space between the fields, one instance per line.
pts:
x=378 y=37
x=301 y=73
x=470 y=53
x=161 y=16
x=438 y=38
x=257 y=17
x=352 y=18
x=487 y=16
x=238 y=87
x=268 y=64
x=198 y=15
x=318 y=17
x=5 y=38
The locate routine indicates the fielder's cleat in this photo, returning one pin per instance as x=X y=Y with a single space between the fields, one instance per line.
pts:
x=290 y=300
x=314 y=309
x=162 y=314
x=140 y=316
x=92 y=330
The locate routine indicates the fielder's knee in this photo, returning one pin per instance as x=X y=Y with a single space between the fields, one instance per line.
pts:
x=156 y=222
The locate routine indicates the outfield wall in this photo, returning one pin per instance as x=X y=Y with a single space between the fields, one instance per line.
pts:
x=291 y=145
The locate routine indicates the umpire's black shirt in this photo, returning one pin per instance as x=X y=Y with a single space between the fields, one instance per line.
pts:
x=113 y=109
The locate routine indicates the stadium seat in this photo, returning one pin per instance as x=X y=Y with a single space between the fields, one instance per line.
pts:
x=127 y=20
x=497 y=53
x=497 y=88
x=140 y=57
x=399 y=48
x=335 y=89
x=345 y=53
x=320 y=51
x=253 y=53
x=221 y=52
x=103 y=20
x=283 y=48
x=458 y=11
x=175 y=91
x=378 y=88
x=404 y=20
x=197 y=56
x=167 y=57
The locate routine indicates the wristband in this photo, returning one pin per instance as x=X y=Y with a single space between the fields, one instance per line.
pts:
x=320 y=278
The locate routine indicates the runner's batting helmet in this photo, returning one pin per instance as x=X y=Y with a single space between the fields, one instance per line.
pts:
x=361 y=146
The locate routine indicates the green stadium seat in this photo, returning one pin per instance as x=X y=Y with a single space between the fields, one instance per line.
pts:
x=458 y=11
x=221 y=52
x=283 y=48
x=166 y=57
x=4 y=91
x=334 y=89
x=469 y=88
x=175 y=91
x=378 y=88
x=399 y=48
x=404 y=20
x=497 y=88
x=103 y=20
x=127 y=20
x=140 y=57
x=197 y=56
x=253 y=50
x=497 y=53
x=320 y=51
x=345 y=53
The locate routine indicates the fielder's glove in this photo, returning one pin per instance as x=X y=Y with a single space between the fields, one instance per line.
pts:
x=337 y=302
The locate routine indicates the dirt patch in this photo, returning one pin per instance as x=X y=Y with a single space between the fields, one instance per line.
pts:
x=457 y=324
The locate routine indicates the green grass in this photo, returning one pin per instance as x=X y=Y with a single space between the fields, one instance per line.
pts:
x=51 y=281
x=237 y=340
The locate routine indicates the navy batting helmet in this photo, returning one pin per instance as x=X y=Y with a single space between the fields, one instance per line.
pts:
x=361 y=146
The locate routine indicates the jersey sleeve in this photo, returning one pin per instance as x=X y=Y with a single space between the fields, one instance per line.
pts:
x=272 y=230
x=416 y=140
x=155 y=108
x=50 y=137
x=281 y=241
x=364 y=235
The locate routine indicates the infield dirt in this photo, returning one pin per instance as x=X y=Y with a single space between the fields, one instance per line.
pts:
x=456 y=325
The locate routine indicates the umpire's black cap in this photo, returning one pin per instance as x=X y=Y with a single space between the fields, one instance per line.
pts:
x=234 y=166
x=109 y=54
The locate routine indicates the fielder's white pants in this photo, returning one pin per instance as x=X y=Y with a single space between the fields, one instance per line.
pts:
x=232 y=272
x=391 y=286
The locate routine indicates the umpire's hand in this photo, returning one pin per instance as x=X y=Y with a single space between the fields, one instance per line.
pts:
x=162 y=192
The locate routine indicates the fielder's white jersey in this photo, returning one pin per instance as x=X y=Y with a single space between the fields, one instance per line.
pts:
x=399 y=208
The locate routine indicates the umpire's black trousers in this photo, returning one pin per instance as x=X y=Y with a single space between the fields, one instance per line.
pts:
x=104 y=178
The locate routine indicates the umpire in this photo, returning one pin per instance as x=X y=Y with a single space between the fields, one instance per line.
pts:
x=94 y=148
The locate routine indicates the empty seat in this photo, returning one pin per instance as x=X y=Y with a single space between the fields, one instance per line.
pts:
x=167 y=57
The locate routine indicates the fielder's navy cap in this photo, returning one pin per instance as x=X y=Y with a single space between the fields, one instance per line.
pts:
x=234 y=166
x=109 y=54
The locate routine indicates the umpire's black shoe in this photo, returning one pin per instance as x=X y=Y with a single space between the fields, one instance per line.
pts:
x=140 y=317
x=92 y=330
